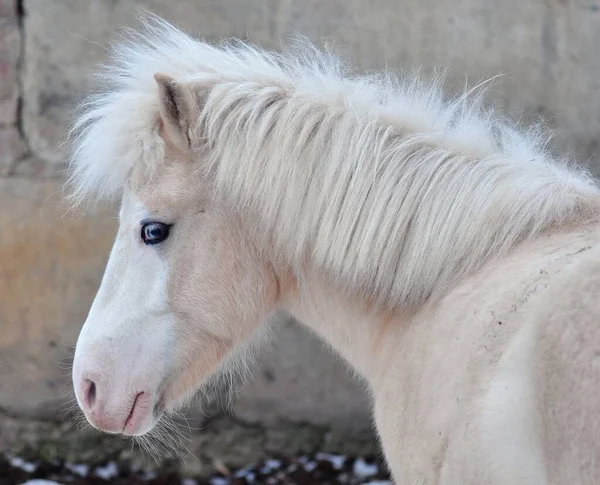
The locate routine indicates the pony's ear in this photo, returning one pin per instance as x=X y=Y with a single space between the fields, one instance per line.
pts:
x=178 y=111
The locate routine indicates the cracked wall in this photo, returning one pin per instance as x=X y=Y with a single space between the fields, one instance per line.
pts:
x=50 y=265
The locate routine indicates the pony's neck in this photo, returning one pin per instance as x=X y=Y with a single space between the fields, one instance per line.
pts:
x=350 y=326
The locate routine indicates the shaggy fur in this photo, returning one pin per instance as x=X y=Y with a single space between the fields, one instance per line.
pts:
x=364 y=178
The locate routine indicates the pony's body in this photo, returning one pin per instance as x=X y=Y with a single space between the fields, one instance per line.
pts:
x=442 y=252
x=467 y=399
x=465 y=390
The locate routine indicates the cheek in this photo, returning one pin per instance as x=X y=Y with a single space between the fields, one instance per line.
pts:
x=220 y=284
x=220 y=291
x=203 y=289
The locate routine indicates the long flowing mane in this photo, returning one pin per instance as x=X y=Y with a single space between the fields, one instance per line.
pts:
x=381 y=183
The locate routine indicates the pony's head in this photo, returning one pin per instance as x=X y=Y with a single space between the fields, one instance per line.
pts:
x=182 y=287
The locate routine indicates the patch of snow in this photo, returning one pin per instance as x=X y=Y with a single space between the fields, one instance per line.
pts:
x=363 y=469
x=189 y=481
x=108 y=471
x=270 y=465
x=18 y=462
x=310 y=466
x=336 y=460
x=219 y=481
x=39 y=481
x=242 y=473
x=79 y=469
x=273 y=464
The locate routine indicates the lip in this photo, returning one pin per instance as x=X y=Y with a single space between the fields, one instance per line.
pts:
x=133 y=413
x=137 y=422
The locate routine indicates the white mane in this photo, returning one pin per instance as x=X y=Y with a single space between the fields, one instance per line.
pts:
x=382 y=184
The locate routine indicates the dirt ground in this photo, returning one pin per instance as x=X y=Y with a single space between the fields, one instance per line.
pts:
x=318 y=469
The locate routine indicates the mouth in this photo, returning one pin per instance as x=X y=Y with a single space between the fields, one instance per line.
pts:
x=144 y=415
x=111 y=413
x=137 y=414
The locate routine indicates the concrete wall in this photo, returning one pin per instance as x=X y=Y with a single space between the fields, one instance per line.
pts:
x=50 y=265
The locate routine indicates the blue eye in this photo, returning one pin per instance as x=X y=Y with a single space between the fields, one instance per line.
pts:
x=155 y=232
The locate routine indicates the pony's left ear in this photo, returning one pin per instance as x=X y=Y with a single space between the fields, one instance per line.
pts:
x=178 y=111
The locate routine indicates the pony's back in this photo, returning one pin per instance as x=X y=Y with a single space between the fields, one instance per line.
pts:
x=567 y=374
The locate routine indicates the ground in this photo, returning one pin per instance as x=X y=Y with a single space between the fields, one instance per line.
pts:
x=321 y=468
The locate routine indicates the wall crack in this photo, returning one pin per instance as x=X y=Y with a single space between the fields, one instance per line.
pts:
x=19 y=118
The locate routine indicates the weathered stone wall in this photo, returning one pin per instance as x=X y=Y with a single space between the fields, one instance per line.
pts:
x=50 y=265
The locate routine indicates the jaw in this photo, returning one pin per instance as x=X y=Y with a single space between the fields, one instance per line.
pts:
x=182 y=389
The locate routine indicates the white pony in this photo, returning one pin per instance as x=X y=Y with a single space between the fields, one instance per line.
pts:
x=441 y=251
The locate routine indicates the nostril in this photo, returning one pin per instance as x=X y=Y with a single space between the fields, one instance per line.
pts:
x=90 y=393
